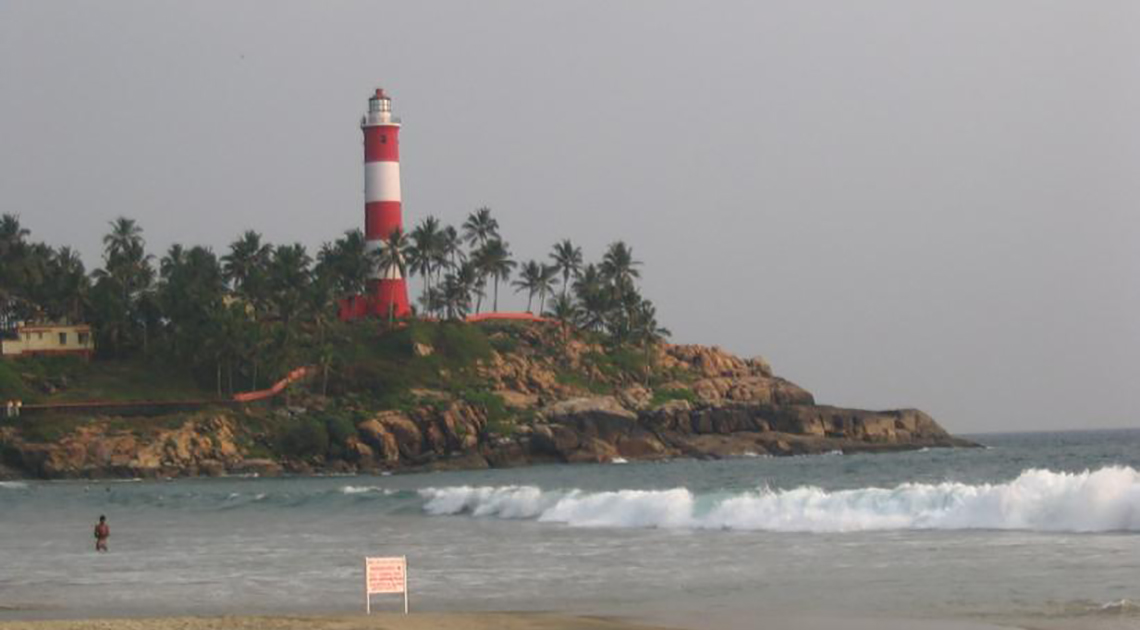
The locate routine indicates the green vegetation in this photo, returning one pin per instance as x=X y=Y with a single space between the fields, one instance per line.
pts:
x=302 y=437
x=47 y=428
x=191 y=325
x=662 y=396
x=44 y=379
x=384 y=364
x=574 y=379
x=12 y=385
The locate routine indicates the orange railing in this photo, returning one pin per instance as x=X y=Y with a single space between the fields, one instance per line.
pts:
x=261 y=394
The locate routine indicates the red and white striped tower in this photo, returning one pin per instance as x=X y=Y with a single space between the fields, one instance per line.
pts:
x=388 y=290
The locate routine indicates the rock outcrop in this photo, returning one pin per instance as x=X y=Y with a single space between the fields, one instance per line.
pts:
x=206 y=445
x=695 y=401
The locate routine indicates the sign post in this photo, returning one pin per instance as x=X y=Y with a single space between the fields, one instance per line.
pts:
x=385 y=575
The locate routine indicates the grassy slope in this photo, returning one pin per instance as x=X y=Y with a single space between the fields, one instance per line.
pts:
x=77 y=380
x=378 y=367
x=371 y=369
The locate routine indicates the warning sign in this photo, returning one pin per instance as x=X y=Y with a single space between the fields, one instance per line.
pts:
x=386 y=575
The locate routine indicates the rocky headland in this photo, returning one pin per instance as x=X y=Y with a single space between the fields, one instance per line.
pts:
x=534 y=394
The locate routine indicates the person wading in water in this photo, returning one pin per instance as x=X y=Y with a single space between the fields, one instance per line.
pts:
x=102 y=533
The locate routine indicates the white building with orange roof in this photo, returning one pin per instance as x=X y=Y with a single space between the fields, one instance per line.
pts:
x=49 y=338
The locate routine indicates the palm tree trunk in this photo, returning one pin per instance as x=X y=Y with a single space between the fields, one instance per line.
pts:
x=496 y=293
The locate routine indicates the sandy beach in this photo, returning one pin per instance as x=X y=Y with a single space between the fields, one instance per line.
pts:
x=509 y=621
x=382 y=621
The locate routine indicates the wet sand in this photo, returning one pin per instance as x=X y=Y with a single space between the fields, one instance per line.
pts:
x=383 y=621
x=490 y=621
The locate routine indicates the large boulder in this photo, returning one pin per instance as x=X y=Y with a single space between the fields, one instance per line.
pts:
x=506 y=454
x=383 y=443
x=674 y=414
x=593 y=451
x=600 y=417
x=635 y=397
x=258 y=466
x=409 y=438
x=644 y=445
x=761 y=390
x=461 y=425
x=554 y=439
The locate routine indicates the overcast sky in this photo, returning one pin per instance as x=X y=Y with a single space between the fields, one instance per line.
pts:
x=898 y=203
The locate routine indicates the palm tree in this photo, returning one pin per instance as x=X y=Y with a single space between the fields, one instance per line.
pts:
x=12 y=234
x=494 y=260
x=431 y=301
x=391 y=261
x=594 y=299
x=451 y=247
x=563 y=309
x=288 y=281
x=71 y=282
x=456 y=292
x=530 y=276
x=173 y=260
x=567 y=260
x=246 y=265
x=347 y=264
x=480 y=227
x=12 y=262
x=424 y=249
x=646 y=332
x=127 y=269
x=546 y=281
x=124 y=238
x=619 y=266
x=474 y=282
x=644 y=327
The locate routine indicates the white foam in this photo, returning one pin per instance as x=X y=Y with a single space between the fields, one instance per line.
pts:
x=1104 y=500
x=366 y=489
x=13 y=485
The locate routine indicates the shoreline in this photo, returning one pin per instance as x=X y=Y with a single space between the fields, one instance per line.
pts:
x=456 y=464
x=379 y=621
x=491 y=621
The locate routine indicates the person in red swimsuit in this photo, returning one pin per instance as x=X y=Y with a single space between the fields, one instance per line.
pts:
x=102 y=533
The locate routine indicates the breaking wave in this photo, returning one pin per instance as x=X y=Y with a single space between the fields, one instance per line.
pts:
x=1107 y=499
x=13 y=485
x=367 y=490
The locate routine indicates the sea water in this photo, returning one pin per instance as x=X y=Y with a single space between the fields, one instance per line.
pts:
x=1042 y=526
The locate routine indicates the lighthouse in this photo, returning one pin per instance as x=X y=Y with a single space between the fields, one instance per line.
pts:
x=387 y=290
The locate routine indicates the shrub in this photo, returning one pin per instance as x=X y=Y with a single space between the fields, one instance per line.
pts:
x=11 y=384
x=498 y=418
x=340 y=427
x=303 y=437
x=662 y=396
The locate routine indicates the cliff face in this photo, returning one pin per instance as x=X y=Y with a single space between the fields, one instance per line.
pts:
x=540 y=400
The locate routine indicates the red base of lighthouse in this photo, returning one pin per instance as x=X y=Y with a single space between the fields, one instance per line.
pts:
x=391 y=294
x=383 y=296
